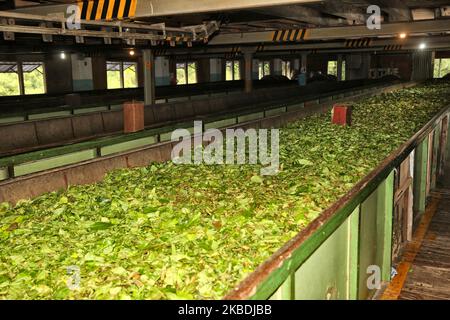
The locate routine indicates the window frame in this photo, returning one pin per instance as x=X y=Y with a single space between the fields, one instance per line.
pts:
x=234 y=75
x=186 y=71
x=262 y=67
x=21 y=76
x=440 y=73
x=122 y=73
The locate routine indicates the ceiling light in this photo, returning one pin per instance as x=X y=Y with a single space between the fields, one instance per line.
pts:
x=63 y=55
x=422 y=46
x=402 y=35
x=132 y=52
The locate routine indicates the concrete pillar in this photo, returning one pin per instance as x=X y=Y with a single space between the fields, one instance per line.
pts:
x=149 y=76
x=83 y=79
x=304 y=62
x=215 y=69
x=248 y=61
x=422 y=65
x=277 y=66
x=339 y=67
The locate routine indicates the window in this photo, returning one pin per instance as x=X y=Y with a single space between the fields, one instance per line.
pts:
x=18 y=78
x=343 y=70
x=332 y=68
x=441 y=67
x=33 y=77
x=232 y=70
x=186 y=72
x=263 y=68
x=121 y=74
x=286 y=69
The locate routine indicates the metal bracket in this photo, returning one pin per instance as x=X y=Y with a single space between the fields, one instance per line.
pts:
x=8 y=35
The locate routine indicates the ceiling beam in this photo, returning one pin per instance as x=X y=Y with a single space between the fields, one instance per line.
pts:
x=300 y=14
x=158 y=8
x=346 y=32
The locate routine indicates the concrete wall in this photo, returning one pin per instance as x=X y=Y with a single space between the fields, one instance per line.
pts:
x=58 y=74
x=162 y=71
x=422 y=65
x=402 y=62
x=99 y=73
x=216 y=70
x=82 y=75
x=277 y=66
x=357 y=66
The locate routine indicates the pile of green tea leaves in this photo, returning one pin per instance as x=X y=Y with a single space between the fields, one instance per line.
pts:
x=193 y=232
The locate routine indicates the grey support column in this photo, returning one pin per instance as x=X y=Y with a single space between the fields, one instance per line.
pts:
x=248 y=59
x=149 y=76
x=304 y=62
x=339 y=67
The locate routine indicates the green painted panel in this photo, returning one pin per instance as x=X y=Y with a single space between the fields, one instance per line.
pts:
x=220 y=123
x=4 y=174
x=353 y=263
x=115 y=107
x=295 y=106
x=285 y=292
x=447 y=157
x=330 y=273
x=54 y=162
x=434 y=165
x=49 y=115
x=420 y=177
x=178 y=99
x=167 y=136
x=200 y=97
x=385 y=213
x=11 y=119
x=367 y=243
x=274 y=112
x=250 y=117
x=89 y=110
x=128 y=145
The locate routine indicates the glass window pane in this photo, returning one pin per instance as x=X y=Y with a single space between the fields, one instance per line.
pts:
x=192 y=72
x=9 y=79
x=229 y=71
x=343 y=70
x=113 y=75
x=130 y=75
x=441 y=67
x=332 y=68
x=33 y=77
x=266 y=68
x=237 y=70
x=181 y=73
x=260 y=70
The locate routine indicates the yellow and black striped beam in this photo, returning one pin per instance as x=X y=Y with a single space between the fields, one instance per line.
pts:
x=358 y=43
x=393 y=47
x=294 y=35
x=107 y=9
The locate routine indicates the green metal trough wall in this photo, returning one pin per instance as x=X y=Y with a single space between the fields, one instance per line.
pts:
x=331 y=257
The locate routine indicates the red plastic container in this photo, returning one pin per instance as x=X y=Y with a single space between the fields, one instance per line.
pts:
x=342 y=115
x=133 y=116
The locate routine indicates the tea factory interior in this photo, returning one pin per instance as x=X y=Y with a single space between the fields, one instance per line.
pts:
x=93 y=205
